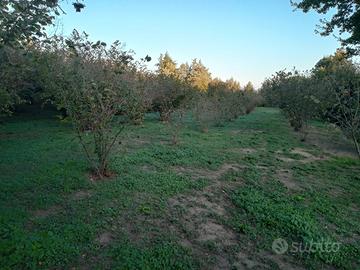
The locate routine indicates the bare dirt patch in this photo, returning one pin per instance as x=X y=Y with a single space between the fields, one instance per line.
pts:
x=200 y=214
x=193 y=173
x=199 y=223
x=205 y=173
x=104 y=239
x=199 y=204
x=94 y=176
x=82 y=194
x=43 y=213
x=147 y=168
x=261 y=167
x=302 y=152
x=244 y=261
x=306 y=157
x=199 y=218
x=211 y=231
x=287 y=179
x=331 y=141
x=244 y=151
x=286 y=159
x=283 y=262
x=264 y=260
x=139 y=223
x=131 y=144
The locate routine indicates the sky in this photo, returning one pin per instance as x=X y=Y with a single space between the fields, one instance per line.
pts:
x=244 y=39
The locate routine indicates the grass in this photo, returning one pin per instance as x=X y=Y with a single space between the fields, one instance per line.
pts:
x=159 y=211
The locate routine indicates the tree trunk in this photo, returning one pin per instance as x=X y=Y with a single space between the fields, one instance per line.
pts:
x=164 y=116
x=356 y=143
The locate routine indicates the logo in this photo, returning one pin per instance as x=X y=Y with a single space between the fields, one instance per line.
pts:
x=280 y=246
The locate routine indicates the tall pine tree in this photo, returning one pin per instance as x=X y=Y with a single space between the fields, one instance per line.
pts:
x=167 y=66
x=199 y=76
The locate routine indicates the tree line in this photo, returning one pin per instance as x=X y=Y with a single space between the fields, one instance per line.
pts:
x=103 y=88
x=329 y=92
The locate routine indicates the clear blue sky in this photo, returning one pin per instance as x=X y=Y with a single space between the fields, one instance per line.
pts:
x=245 y=39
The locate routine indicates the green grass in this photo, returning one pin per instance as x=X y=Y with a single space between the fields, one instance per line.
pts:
x=46 y=223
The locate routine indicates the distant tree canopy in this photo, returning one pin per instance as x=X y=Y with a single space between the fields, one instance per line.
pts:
x=167 y=66
x=326 y=65
x=196 y=74
x=249 y=87
x=183 y=72
x=199 y=76
x=217 y=85
x=346 y=19
x=232 y=85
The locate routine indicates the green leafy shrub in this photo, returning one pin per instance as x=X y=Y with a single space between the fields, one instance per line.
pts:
x=340 y=91
x=91 y=87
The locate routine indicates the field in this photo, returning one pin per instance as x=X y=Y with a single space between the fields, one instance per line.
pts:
x=217 y=200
